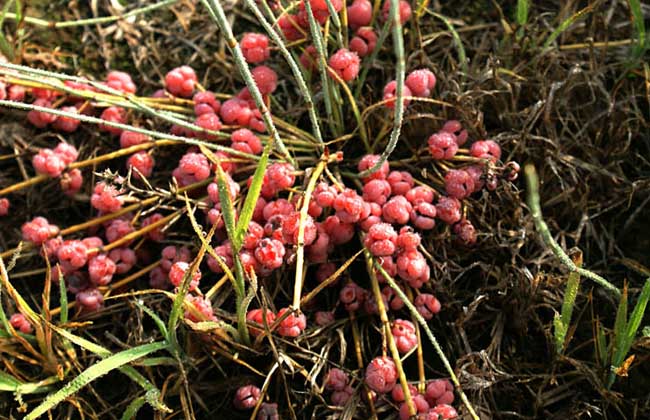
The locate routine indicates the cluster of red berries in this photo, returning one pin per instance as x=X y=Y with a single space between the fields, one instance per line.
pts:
x=54 y=163
x=248 y=396
x=381 y=377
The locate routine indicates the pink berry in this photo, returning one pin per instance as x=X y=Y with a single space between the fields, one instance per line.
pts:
x=349 y=206
x=19 y=322
x=142 y=162
x=404 y=10
x=255 y=47
x=419 y=403
x=113 y=114
x=265 y=78
x=407 y=240
x=364 y=41
x=439 y=391
x=38 y=230
x=289 y=26
x=224 y=252
x=400 y=182
x=280 y=206
x=90 y=299
x=397 y=210
x=200 y=309
x=390 y=94
x=486 y=149
x=466 y=232
x=256 y=316
x=71 y=182
x=290 y=229
x=292 y=325
x=67 y=124
x=156 y=235
x=340 y=398
x=49 y=163
x=101 y=270
x=246 y=397
x=236 y=111
x=405 y=335
x=339 y=232
x=448 y=210
x=124 y=259
x=421 y=82
x=38 y=118
x=420 y=194
x=67 y=152
x=459 y=184
x=208 y=121
x=116 y=229
x=177 y=273
x=205 y=103
x=246 y=141
x=376 y=191
x=352 y=296
x=121 y=81
x=92 y=243
x=413 y=268
x=72 y=255
x=381 y=239
x=369 y=161
x=359 y=13
x=131 y=138
x=324 y=318
x=318 y=252
x=195 y=165
x=270 y=253
x=106 y=198
x=345 y=64
x=442 y=145
x=181 y=81
x=381 y=374
x=16 y=93
x=4 y=206
x=444 y=412
x=427 y=305
x=336 y=379
x=397 y=393
x=324 y=194
x=423 y=214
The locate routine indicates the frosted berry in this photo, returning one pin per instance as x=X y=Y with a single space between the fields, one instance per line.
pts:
x=345 y=64
x=171 y=254
x=265 y=78
x=339 y=232
x=486 y=149
x=352 y=296
x=427 y=305
x=364 y=41
x=41 y=119
x=280 y=206
x=67 y=152
x=456 y=128
x=376 y=191
x=124 y=259
x=359 y=13
x=246 y=397
x=200 y=309
x=256 y=316
x=121 y=81
x=397 y=210
x=157 y=234
x=209 y=122
x=390 y=94
x=476 y=173
x=246 y=141
x=419 y=403
x=4 y=206
x=141 y=163
x=71 y=182
x=19 y=322
x=420 y=194
x=413 y=268
x=397 y=394
x=336 y=379
x=195 y=165
x=290 y=229
x=16 y=93
x=113 y=114
x=38 y=230
x=92 y=243
x=90 y=299
x=423 y=214
x=181 y=81
x=459 y=184
x=439 y=391
x=407 y=240
x=65 y=123
x=404 y=10
x=117 y=229
x=381 y=239
x=101 y=270
x=131 y=138
x=442 y=145
x=400 y=182
x=349 y=206
x=205 y=103
x=340 y=398
x=224 y=252
x=281 y=175
x=292 y=325
x=444 y=412
x=49 y=163
x=369 y=161
x=253 y=235
x=177 y=272
x=448 y=210
x=255 y=47
x=381 y=374
x=405 y=335
x=325 y=194
x=72 y=255
x=270 y=253
x=289 y=26
x=421 y=82
x=466 y=232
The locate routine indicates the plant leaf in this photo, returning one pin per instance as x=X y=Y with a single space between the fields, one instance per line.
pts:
x=522 y=12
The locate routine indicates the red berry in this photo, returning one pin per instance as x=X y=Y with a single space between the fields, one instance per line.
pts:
x=442 y=145
x=19 y=322
x=236 y=111
x=364 y=42
x=486 y=149
x=281 y=175
x=336 y=380
x=156 y=235
x=195 y=165
x=4 y=206
x=200 y=309
x=397 y=393
x=181 y=81
x=142 y=162
x=16 y=93
x=290 y=229
x=246 y=397
x=397 y=210
x=423 y=214
x=67 y=152
x=292 y=325
x=67 y=124
x=3 y=91
x=352 y=296
x=38 y=230
x=339 y=232
x=270 y=253
x=381 y=374
x=205 y=103
x=390 y=94
x=458 y=183
x=405 y=335
x=90 y=299
x=439 y=391
x=289 y=26
x=349 y=206
x=117 y=229
x=413 y=268
x=121 y=81
x=448 y=210
x=318 y=252
x=359 y=13
x=421 y=82
x=131 y=138
x=376 y=191
x=427 y=305
x=265 y=78
x=124 y=259
x=407 y=240
x=208 y=121
x=400 y=182
x=113 y=114
x=420 y=194
x=255 y=47
x=340 y=398
x=324 y=194
x=369 y=161
x=92 y=243
x=444 y=412
x=466 y=232
x=404 y=10
x=419 y=403
x=177 y=272
x=324 y=318
x=38 y=118
x=280 y=206
x=256 y=316
x=49 y=163
x=456 y=128
x=106 y=198
x=71 y=182
x=101 y=270
x=72 y=255
x=246 y=141
x=345 y=64
x=381 y=239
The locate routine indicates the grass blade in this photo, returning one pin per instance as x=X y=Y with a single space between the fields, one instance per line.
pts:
x=566 y=24
x=522 y=12
x=95 y=371
x=637 y=316
x=562 y=322
x=639 y=25
x=227 y=209
x=133 y=408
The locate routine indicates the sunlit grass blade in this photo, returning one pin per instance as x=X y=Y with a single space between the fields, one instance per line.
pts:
x=566 y=24
x=10 y=384
x=93 y=372
x=132 y=409
x=522 y=12
x=639 y=25
x=562 y=322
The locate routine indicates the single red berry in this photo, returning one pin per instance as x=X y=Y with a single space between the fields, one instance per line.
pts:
x=376 y=191
x=336 y=380
x=486 y=149
x=456 y=128
x=359 y=13
x=141 y=163
x=131 y=138
x=280 y=206
x=246 y=397
x=459 y=184
x=90 y=299
x=318 y=252
x=390 y=94
x=289 y=26
x=352 y=296
x=121 y=81
x=364 y=42
x=49 y=163
x=72 y=255
x=255 y=47
x=200 y=309
x=292 y=325
x=413 y=268
x=101 y=270
x=92 y=243
x=381 y=239
x=19 y=322
x=256 y=316
x=421 y=82
x=419 y=403
x=177 y=272
x=208 y=121
x=404 y=10
x=71 y=182
x=443 y=145
x=16 y=93
x=427 y=305
x=4 y=206
x=38 y=230
x=113 y=114
x=270 y=253
x=324 y=194
x=466 y=232
x=400 y=182
x=224 y=252
x=124 y=259
x=407 y=240
x=254 y=234
x=345 y=64
x=339 y=232
x=265 y=78
x=423 y=214
x=156 y=235
x=181 y=81
x=340 y=398
x=41 y=119
x=195 y=165
x=206 y=103
x=405 y=335
x=349 y=206
x=448 y=210
x=67 y=124
x=397 y=210
x=236 y=111
x=290 y=229
x=420 y=194
x=67 y=152
x=381 y=374
x=281 y=175
x=439 y=391
x=397 y=393
x=369 y=161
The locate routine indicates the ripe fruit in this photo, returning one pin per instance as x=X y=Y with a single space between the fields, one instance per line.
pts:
x=101 y=270
x=421 y=82
x=359 y=13
x=256 y=316
x=369 y=161
x=466 y=232
x=246 y=397
x=486 y=149
x=400 y=182
x=49 y=163
x=270 y=253
x=397 y=394
x=352 y=296
x=246 y=141
x=381 y=239
x=131 y=138
x=439 y=391
x=265 y=78
x=364 y=41
x=19 y=322
x=255 y=47
x=458 y=183
x=38 y=230
x=289 y=26
x=200 y=309
x=448 y=210
x=390 y=94
x=4 y=206
x=345 y=64
x=292 y=325
x=121 y=81
x=413 y=268
x=405 y=336
x=381 y=374
x=419 y=403
x=205 y=103
x=67 y=124
x=423 y=214
x=142 y=162
x=443 y=145
x=177 y=272
x=397 y=210
x=349 y=206
x=404 y=10
x=336 y=379
x=113 y=114
x=309 y=58
x=38 y=118
x=181 y=81
x=106 y=198
x=427 y=305
x=72 y=255
x=124 y=259
x=90 y=299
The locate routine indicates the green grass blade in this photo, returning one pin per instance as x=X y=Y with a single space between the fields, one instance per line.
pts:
x=63 y=298
x=566 y=24
x=8 y=383
x=133 y=408
x=636 y=317
x=227 y=209
x=522 y=12
x=639 y=25
x=5 y=47
x=159 y=322
x=562 y=322
x=95 y=371
x=559 y=332
x=458 y=43
x=601 y=344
